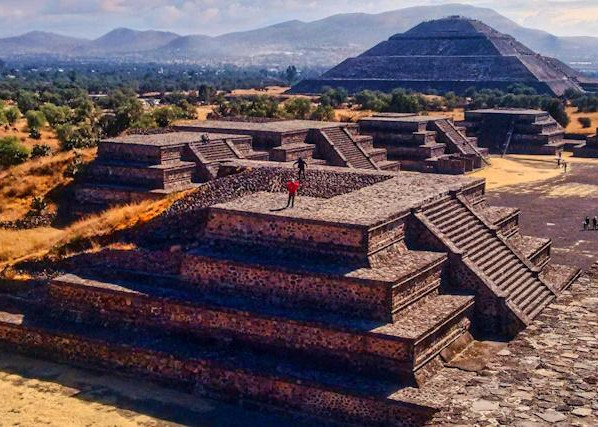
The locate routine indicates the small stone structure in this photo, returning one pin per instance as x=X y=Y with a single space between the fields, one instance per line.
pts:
x=341 y=308
x=424 y=143
x=450 y=54
x=135 y=167
x=587 y=149
x=515 y=130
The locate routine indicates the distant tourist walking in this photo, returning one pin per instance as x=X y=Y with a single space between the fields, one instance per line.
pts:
x=292 y=187
x=565 y=167
x=301 y=164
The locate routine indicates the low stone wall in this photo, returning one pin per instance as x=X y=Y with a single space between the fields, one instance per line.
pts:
x=379 y=354
x=357 y=297
x=276 y=231
x=209 y=377
x=186 y=218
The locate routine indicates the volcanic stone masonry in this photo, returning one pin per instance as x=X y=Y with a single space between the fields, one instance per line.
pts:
x=516 y=131
x=450 y=54
x=136 y=167
x=587 y=149
x=342 y=308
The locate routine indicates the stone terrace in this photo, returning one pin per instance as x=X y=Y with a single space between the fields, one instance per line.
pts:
x=344 y=307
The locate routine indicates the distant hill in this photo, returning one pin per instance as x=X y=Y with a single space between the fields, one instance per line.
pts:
x=124 y=40
x=324 y=42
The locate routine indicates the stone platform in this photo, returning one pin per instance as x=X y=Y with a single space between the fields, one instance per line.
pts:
x=515 y=131
x=344 y=307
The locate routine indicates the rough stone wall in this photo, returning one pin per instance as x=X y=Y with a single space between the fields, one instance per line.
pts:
x=362 y=351
x=345 y=295
x=209 y=377
x=185 y=219
x=129 y=153
x=421 y=287
x=327 y=237
x=386 y=235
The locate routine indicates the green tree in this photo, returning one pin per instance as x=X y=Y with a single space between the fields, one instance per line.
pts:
x=164 y=116
x=12 y=115
x=334 y=97
x=56 y=115
x=35 y=122
x=323 y=113
x=27 y=100
x=298 y=108
x=146 y=121
x=12 y=152
x=556 y=108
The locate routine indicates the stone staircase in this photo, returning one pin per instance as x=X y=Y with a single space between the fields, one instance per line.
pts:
x=494 y=260
x=456 y=140
x=215 y=150
x=345 y=144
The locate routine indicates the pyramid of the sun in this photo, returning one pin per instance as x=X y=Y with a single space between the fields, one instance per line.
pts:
x=450 y=54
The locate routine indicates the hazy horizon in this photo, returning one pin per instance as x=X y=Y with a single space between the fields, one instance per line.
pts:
x=93 y=18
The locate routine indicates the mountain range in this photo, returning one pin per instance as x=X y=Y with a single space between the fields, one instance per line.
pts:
x=319 y=43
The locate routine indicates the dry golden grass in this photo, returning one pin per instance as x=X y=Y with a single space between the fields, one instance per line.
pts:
x=575 y=126
x=203 y=111
x=19 y=184
x=18 y=245
x=20 y=131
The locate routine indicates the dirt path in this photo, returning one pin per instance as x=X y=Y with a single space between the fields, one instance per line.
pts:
x=36 y=393
x=553 y=203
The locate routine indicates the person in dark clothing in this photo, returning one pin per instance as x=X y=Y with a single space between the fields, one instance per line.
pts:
x=205 y=139
x=586 y=223
x=301 y=164
x=595 y=222
x=292 y=187
x=565 y=167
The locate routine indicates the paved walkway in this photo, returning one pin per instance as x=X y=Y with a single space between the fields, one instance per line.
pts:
x=548 y=375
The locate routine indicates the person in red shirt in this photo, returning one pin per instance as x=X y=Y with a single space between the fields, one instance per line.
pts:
x=292 y=187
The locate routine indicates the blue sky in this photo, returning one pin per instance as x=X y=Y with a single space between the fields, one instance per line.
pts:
x=91 y=18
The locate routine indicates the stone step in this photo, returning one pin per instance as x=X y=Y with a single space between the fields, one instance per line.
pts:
x=437 y=206
x=209 y=369
x=447 y=214
x=541 y=304
x=387 y=350
x=530 y=295
x=481 y=258
x=498 y=262
x=487 y=239
x=460 y=227
x=281 y=279
x=502 y=264
x=525 y=290
x=470 y=235
x=511 y=282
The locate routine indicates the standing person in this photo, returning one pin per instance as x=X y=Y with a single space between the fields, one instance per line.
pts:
x=595 y=222
x=565 y=166
x=301 y=164
x=292 y=187
x=586 y=223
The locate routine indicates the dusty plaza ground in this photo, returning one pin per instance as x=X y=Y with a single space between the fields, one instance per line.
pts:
x=548 y=374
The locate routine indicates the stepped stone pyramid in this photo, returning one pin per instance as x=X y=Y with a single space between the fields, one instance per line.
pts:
x=450 y=54
x=341 y=308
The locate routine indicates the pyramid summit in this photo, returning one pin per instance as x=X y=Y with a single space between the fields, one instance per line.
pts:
x=449 y=54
